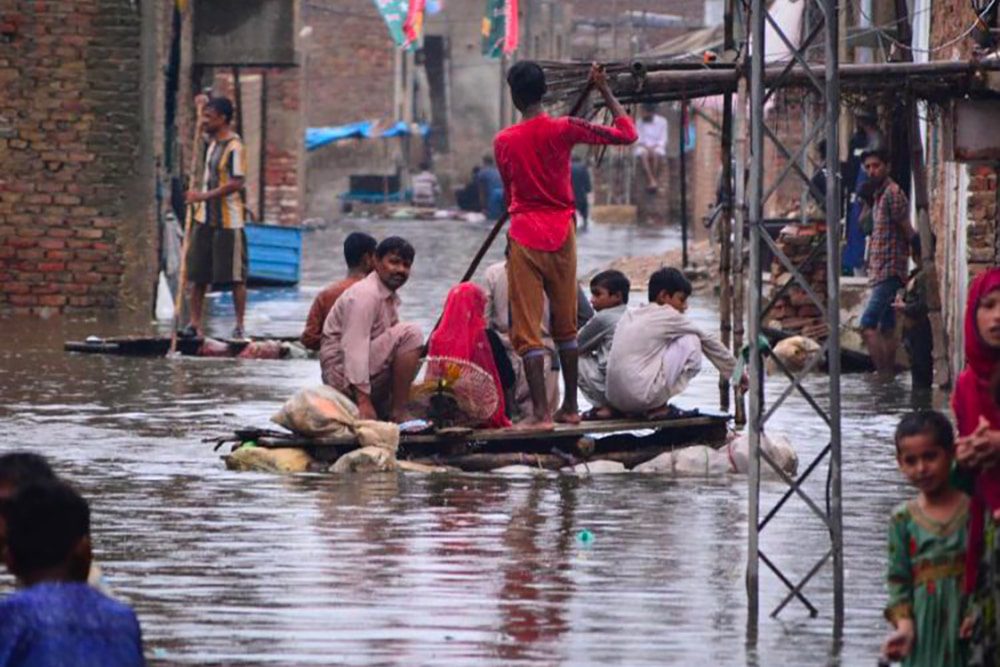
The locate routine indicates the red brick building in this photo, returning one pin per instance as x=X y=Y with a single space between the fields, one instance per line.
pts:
x=348 y=66
x=77 y=186
x=95 y=122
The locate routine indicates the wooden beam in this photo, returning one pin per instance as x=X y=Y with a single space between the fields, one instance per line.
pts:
x=929 y=79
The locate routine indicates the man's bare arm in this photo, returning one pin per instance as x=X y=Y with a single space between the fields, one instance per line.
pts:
x=234 y=185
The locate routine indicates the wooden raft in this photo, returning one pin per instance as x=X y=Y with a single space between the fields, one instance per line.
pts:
x=156 y=346
x=630 y=442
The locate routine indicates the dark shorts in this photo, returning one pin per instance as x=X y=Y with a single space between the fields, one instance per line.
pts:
x=217 y=256
x=879 y=313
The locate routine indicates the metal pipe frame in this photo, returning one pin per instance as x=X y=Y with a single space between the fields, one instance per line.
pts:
x=825 y=92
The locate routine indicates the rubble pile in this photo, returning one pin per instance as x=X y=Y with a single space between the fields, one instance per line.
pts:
x=796 y=312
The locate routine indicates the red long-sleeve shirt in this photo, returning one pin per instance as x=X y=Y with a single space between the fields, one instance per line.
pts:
x=533 y=158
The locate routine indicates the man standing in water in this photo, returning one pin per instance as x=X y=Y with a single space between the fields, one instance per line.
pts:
x=533 y=157
x=888 y=260
x=217 y=252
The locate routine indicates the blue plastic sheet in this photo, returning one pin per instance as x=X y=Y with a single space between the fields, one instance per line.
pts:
x=317 y=137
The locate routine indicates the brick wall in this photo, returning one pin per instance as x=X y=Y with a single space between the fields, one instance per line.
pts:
x=349 y=76
x=348 y=59
x=75 y=206
x=587 y=45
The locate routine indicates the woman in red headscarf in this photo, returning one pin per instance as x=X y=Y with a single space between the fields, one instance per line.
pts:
x=462 y=334
x=978 y=452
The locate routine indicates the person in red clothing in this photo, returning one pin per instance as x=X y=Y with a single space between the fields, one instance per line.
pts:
x=359 y=252
x=533 y=157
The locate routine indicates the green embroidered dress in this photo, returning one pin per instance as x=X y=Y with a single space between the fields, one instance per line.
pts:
x=926 y=567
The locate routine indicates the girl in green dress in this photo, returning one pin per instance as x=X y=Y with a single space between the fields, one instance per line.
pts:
x=927 y=550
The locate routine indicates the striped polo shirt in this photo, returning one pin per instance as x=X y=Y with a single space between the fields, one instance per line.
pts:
x=224 y=161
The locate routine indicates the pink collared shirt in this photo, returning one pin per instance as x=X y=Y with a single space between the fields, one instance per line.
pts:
x=366 y=310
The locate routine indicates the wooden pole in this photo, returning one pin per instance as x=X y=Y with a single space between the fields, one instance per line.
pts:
x=681 y=134
x=740 y=129
x=262 y=171
x=724 y=223
x=918 y=170
x=238 y=94
x=188 y=221
x=942 y=78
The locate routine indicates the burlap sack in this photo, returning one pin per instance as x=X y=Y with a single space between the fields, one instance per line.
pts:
x=319 y=412
x=366 y=459
x=262 y=459
x=384 y=435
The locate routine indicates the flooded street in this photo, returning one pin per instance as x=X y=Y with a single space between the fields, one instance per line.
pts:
x=254 y=569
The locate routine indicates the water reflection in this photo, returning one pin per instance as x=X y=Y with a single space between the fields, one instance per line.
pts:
x=227 y=568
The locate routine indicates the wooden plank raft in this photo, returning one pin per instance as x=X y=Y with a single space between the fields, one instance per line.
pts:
x=627 y=441
x=156 y=346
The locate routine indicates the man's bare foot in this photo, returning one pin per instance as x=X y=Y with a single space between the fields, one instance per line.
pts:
x=599 y=414
x=567 y=416
x=534 y=424
x=665 y=412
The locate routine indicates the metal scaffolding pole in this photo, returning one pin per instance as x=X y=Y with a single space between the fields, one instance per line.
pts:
x=826 y=91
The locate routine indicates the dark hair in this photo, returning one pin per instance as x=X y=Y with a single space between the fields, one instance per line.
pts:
x=20 y=468
x=930 y=422
x=670 y=280
x=356 y=246
x=397 y=245
x=614 y=281
x=424 y=165
x=821 y=148
x=527 y=84
x=649 y=106
x=880 y=153
x=45 y=520
x=221 y=106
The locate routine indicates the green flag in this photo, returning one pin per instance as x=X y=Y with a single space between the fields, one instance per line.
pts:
x=494 y=28
x=394 y=14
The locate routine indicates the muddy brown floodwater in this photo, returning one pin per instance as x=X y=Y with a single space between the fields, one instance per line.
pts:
x=254 y=569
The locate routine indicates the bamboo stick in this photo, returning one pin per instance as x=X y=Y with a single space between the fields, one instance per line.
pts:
x=926 y=80
x=188 y=220
x=740 y=130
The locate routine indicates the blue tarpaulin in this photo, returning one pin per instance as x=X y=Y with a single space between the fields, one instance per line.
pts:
x=366 y=129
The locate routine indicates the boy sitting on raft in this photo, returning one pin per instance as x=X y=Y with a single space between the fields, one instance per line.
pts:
x=657 y=350
x=534 y=161
x=609 y=297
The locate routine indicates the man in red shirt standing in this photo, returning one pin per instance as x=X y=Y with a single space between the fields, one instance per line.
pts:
x=533 y=157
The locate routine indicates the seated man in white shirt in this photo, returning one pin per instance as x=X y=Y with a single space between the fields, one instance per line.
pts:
x=425 y=187
x=651 y=148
